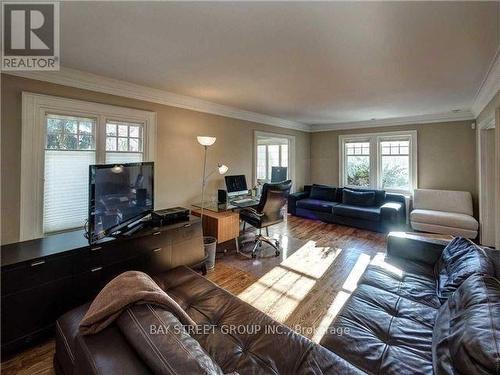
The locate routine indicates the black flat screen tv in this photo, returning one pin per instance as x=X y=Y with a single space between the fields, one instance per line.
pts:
x=119 y=195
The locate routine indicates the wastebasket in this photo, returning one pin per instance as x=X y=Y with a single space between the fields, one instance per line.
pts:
x=210 y=244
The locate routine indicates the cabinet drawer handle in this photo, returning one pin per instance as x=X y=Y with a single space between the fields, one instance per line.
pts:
x=96 y=269
x=38 y=263
x=157 y=250
x=96 y=248
x=156 y=233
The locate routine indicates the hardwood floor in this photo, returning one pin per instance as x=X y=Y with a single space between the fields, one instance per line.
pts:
x=303 y=288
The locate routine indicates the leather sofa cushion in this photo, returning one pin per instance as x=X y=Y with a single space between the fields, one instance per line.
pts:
x=358 y=198
x=246 y=353
x=380 y=195
x=407 y=279
x=322 y=192
x=161 y=341
x=383 y=333
x=316 y=205
x=447 y=219
x=357 y=212
x=460 y=259
x=466 y=336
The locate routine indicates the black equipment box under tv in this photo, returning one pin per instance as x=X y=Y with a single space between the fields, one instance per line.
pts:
x=169 y=215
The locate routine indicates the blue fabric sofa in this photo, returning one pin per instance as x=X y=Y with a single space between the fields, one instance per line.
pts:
x=369 y=209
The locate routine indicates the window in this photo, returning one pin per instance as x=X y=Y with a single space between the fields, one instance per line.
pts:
x=272 y=150
x=60 y=139
x=381 y=161
x=357 y=163
x=70 y=149
x=395 y=165
x=123 y=142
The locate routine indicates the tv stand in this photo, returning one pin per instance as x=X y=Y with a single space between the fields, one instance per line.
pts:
x=44 y=278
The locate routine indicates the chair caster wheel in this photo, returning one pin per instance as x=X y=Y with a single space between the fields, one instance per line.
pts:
x=277 y=253
x=254 y=256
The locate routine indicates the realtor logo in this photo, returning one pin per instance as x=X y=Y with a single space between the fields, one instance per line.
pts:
x=30 y=36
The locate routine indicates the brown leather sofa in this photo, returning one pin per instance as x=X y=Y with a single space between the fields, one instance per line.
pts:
x=406 y=316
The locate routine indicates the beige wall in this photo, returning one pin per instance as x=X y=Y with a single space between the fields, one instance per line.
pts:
x=446 y=155
x=179 y=157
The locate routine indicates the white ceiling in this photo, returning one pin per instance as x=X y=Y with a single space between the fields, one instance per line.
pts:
x=314 y=63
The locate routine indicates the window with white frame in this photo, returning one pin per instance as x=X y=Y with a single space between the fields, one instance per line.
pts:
x=273 y=151
x=69 y=150
x=61 y=138
x=357 y=165
x=385 y=161
x=124 y=142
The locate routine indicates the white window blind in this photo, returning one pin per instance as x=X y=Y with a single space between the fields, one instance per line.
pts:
x=70 y=149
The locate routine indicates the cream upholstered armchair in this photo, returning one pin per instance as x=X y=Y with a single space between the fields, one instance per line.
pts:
x=444 y=212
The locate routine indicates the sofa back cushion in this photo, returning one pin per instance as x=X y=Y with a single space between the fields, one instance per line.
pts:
x=443 y=200
x=466 y=336
x=323 y=192
x=460 y=259
x=358 y=198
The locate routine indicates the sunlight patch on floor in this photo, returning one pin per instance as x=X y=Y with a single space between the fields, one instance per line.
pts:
x=351 y=283
x=312 y=260
x=280 y=291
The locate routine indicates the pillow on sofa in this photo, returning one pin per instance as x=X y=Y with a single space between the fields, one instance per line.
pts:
x=459 y=259
x=323 y=193
x=358 y=198
x=161 y=341
x=466 y=337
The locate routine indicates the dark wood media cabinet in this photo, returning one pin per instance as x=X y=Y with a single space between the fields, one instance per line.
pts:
x=44 y=278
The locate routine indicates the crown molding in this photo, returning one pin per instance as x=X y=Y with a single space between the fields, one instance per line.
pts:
x=489 y=87
x=93 y=82
x=409 y=120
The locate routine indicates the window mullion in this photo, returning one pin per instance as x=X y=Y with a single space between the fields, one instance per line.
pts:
x=267 y=162
x=100 y=141
x=374 y=163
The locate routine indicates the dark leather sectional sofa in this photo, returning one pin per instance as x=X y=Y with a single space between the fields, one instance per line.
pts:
x=374 y=210
x=421 y=309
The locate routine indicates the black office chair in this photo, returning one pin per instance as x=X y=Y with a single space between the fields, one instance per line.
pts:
x=269 y=211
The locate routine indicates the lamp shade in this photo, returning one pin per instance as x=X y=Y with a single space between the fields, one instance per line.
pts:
x=223 y=169
x=206 y=140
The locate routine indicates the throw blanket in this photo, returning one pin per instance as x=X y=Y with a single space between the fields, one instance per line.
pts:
x=129 y=288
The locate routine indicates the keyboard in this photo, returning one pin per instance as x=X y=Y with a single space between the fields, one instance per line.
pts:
x=244 y=200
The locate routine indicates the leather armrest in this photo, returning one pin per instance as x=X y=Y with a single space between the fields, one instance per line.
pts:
x=293 y=198
x=414 y=247
x=392 y=212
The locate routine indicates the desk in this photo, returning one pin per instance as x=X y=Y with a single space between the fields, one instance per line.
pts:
x=221 y=221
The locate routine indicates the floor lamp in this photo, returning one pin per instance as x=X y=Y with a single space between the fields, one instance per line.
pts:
x=209 y=243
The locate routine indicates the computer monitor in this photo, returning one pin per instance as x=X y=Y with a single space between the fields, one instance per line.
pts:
x=236 y=185
x=278 y=174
